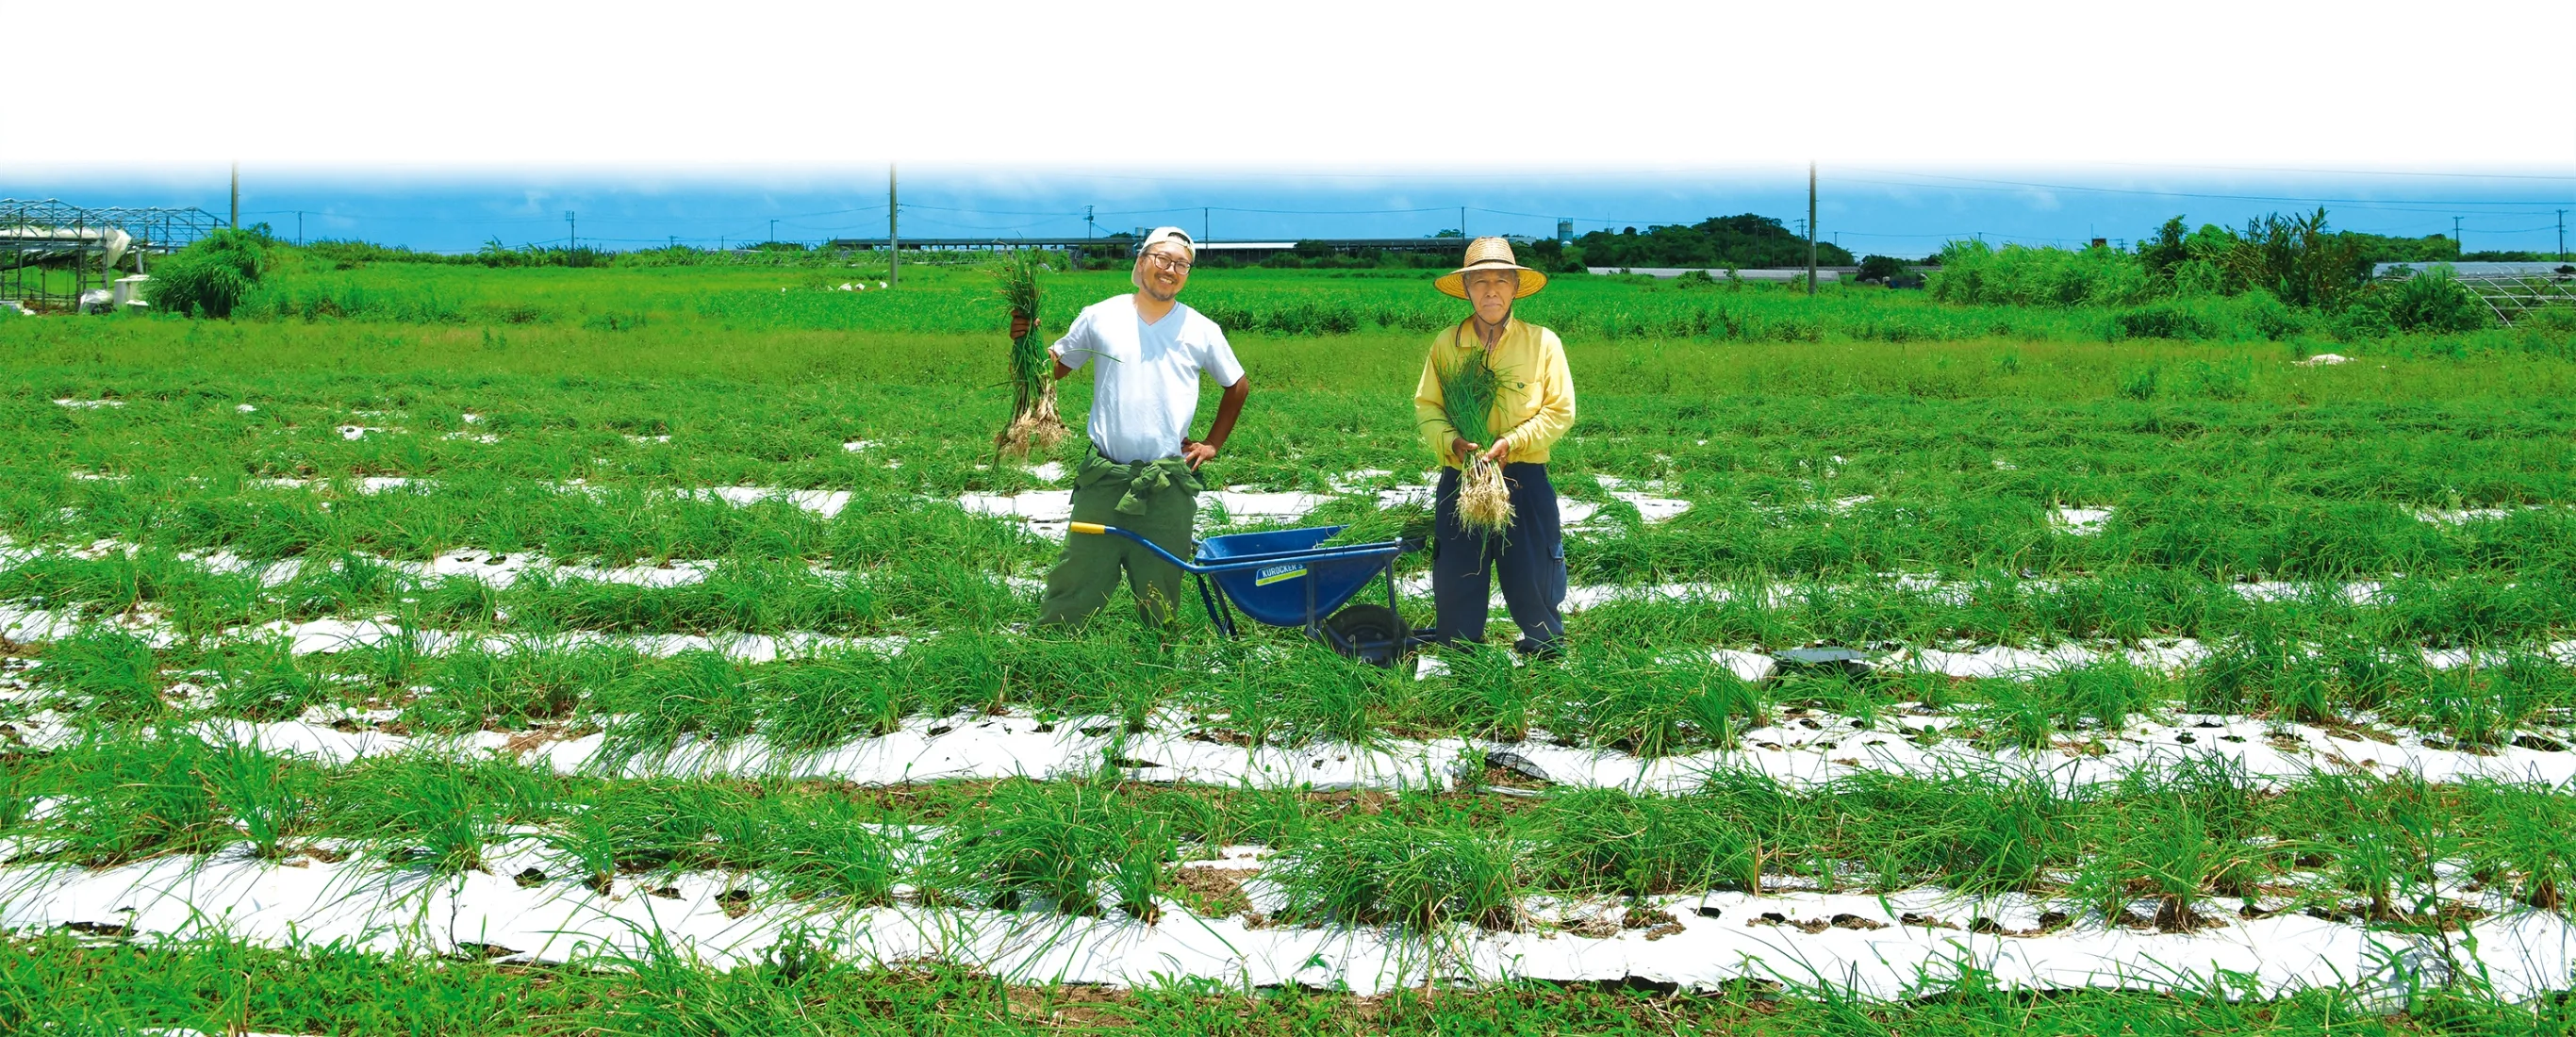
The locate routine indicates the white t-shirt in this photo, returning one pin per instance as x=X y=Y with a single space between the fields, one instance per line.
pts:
x=1146 y=389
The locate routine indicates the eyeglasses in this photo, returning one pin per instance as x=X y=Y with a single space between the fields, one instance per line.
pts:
x=1178 y=266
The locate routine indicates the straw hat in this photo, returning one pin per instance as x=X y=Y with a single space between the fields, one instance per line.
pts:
x=1490 y=254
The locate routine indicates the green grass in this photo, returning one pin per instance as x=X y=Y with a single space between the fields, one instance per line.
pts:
x=1772 y=415
x=59 y=983
x=2269 y=488
x=1639 y=682
x=2203 y=838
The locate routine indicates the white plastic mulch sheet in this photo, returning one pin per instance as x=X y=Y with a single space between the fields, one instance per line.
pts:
x=1803 y=749
x=1878 y=947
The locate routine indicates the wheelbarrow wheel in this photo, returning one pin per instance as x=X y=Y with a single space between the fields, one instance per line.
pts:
x=1372 y=634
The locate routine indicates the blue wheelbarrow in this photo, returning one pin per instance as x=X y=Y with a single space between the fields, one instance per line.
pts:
x=1284 y=579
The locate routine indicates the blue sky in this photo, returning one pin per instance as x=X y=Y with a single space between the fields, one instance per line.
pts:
x=1869 y=207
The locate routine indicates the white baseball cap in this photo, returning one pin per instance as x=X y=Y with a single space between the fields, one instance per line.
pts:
x=1175 y=234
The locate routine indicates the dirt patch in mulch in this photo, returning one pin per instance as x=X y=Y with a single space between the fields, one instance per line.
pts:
x=1217 y=892
x=1657 y=924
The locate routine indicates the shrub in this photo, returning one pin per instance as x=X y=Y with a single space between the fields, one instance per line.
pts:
x=1973 y=272
x=1743 y=240
x=2296 y=258
x=2267 y=314
x=2432 y=300
x=209 y=278
x=2557 y=319
x=2354 y=323
x=2162 y=320
x=343 y=254
x=1881 y=268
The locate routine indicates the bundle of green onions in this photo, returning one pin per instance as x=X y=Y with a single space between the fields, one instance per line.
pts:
x=1469 y=388
x=1034 y=422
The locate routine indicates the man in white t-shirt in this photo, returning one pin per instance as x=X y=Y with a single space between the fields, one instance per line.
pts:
x=1146 y=351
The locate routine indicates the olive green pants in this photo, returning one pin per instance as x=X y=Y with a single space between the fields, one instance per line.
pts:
x=1087 y=574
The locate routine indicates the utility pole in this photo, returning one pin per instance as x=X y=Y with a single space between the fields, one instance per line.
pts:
x=2456 y=248
x=2562 y=235
x=1087 y=226
x=1203 y=224
x=299 y=228
x=1462 y=223
x=773 y=232
x=894 y=257
x=236 y=223
x=674 y=241
x=1811 y=227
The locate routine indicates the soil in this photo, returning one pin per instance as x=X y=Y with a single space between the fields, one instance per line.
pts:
x=1216 y=892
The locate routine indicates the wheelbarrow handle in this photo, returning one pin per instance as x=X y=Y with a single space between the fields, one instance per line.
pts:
x=1238 y=564
x=1098 y=529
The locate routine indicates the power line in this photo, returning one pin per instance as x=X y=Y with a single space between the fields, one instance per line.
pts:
x=2196 y=194
x=2366 y=206
x=988 y=212
x=1276 y=212
x=2347 y=172
x=440 y=218
x=1604 y=220
x=1542 y=175
x=1045 y=218
x=1703 y=170
x=972 y=226
x=1330 y=212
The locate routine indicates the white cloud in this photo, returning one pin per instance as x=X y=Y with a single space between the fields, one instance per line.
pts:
x=1606 y=84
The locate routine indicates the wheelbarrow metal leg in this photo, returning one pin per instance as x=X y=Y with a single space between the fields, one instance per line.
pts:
x=1217 y=611
x=1314 y=626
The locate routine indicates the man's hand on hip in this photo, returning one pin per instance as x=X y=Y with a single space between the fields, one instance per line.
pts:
x=1197 y=453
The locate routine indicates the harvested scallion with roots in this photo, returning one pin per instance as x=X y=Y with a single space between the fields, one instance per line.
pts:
x=1034 y=423
x=1469 y=388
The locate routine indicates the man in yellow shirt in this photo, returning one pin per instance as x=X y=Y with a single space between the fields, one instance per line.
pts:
x=1536 y=405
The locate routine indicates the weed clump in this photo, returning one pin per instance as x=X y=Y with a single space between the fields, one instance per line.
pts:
x=1034 y=422
x=1055 y=846
x=1384 y=871
x=1469 y=389
x=210 y=277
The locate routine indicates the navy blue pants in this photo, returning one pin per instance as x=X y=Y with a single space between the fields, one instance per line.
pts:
x=1529 y=557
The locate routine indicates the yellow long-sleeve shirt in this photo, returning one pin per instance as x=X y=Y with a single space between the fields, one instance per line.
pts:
x=1536 y=402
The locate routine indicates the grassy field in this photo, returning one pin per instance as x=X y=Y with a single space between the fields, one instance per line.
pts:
x=591 y=583
x=216 y=984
